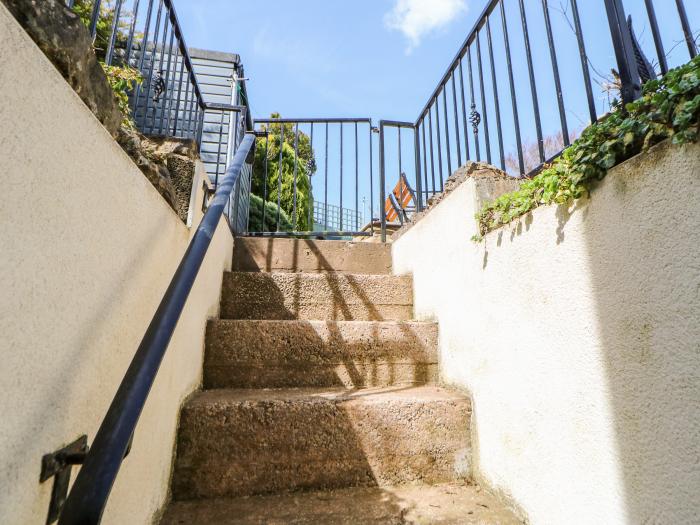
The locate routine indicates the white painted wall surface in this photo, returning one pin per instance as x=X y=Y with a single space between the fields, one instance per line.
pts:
x=88 y=249
x=578 y=335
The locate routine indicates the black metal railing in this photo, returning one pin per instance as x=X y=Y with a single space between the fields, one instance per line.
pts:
x=88 y=496
x=310 y=194
x=145 y=35
x=505 y=99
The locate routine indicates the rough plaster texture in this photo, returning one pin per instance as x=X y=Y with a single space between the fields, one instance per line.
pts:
x=444 y=504
x=244 y=442
x=576 y=332
x=301 y=255
x=89 y=247
x=318 y=296
x=278 y=354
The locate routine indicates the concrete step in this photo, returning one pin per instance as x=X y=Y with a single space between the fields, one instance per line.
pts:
x=280 y=354
x=246 y=442
x=326 y=297
x=300 y=255
x=446 y=504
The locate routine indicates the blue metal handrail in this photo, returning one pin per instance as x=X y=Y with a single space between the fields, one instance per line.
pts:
x=88 y=496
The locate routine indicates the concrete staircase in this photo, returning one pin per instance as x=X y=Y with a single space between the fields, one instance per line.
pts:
x=320 y=402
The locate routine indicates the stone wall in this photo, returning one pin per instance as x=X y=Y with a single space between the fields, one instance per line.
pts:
x=576 y=332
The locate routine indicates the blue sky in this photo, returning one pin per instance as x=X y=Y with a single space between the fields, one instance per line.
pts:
x=383 y=58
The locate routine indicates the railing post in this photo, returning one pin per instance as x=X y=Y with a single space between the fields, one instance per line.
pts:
x=419 y=182
x=382 y=182
x=631 y=84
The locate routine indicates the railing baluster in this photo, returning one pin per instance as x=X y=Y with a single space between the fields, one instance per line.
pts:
x=464 y=111
x=419 y=183
x=382 y=183
x=341 y=176
x=584 y=62
x=156 y=34
x=132 y=30
x=439 y=145
x=555 y=72
x=142 y=58
x=400 y=168
x=499 y=130
x=325 y=186
x=473 y=106
x=179 y=92
x=267 y=151
x=113 y=35
x=687 y=32
x=166 y=28
x=279 y=178
x=296 y=167
x=218 y=149
x=432 y=153
x=165 y=113
x=482 y=91
x=656 y=34
x=371 y=180
x=311 y=184
x=457 y=138
x=94 y=18
x=425 y=159
x=357 y=181
x=533 y=84
x=447 y=131
x=513 y=99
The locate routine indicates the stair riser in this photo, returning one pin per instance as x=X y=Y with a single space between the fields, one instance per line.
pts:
x=316 y=296
x=278 y=354
x=291 y=255
x=251 y=448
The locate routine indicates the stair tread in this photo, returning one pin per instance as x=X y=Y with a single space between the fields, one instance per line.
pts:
x=452 y=503
x=421 y=393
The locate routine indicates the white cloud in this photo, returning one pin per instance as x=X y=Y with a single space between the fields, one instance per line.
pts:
x=417 y=18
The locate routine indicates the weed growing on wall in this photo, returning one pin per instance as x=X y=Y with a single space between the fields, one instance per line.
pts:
x=122 y=80
x=669 y=108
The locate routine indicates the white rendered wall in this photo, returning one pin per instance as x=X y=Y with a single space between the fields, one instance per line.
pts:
x=88 y=248
x=577 y=333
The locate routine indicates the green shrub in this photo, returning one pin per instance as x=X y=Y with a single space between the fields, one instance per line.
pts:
x=669 y=108
x=255 y=223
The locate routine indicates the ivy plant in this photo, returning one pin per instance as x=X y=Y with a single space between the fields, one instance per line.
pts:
x=669 y=108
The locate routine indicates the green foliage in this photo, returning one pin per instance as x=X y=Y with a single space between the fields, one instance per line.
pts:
x=305 y=166
x=122 y=80
x=256 y=216
x=669 y=108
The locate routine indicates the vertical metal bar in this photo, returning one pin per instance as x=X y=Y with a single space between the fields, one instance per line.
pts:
x=533 y=84
x=686 y=29
x=94 y=18
x=400 y=167
x=341 y=176
x=311 y=184
x=457 y=138
x=447 y=131
x=267 y=149
x=357 y=182
x=279 y=177
x=584 y=62
x=200 y=125
x=167 y=25
x=187 y=113
x=419 y=181
x=499 y=129
x=514 y=102
x=179 y=92
x=113 y=35
x=555 y=72
x=132 y=30
x=167 y=100
x=218 y=150
x=382 y=184
x=156 y=34
x=296 y=168
x=432 y=155
x=482 y=90
x=371 y=180
x=464 y=111
x=142 y=58
x=425 y=159
x=471 y=92
x=631 y=82
x=439 y=145
x=658 y=41
x=325 y=186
